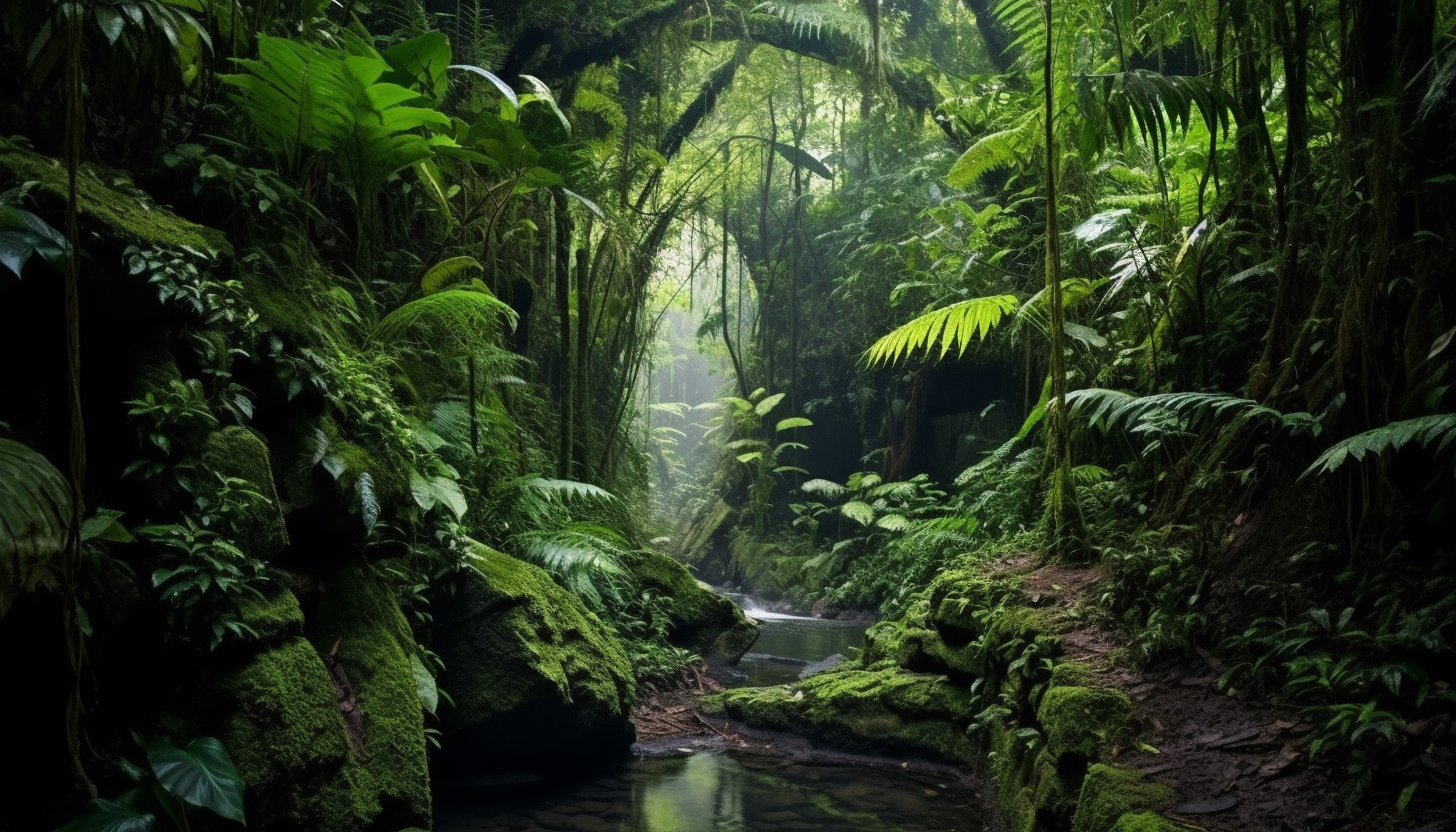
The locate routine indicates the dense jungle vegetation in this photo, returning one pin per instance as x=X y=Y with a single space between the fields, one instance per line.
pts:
x=336 y=328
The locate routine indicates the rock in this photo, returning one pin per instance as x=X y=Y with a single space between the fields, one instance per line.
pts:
x=277 y=713
x=882 y=711
x=701 y=620
x=822 y=665
x=1086 y=722
x=235 y=452
x=1110 y=793
x=358 y=612
x=538 y=681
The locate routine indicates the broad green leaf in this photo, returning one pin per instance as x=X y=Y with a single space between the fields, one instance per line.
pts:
x=202 y=774
x=793 y=422
x=750 y=456
x=112 y=816
x=105 y=525
x=768 y=404
x=425 y=686
x=542 y=92
x=505 y=89
x=858 y=511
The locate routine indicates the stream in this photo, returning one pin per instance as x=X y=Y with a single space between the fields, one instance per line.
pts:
x=712 y=790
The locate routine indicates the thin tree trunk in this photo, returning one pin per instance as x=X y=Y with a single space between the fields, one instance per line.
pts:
x=566 y=394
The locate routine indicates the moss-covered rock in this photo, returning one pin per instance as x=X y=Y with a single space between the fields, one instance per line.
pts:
x=236 y=452
x=1110 y=793
x=358 y=612
x=537 y=679
x=872 y=710
x=1086 y=722
x=279 y=718
x=275 y=617
x=1072 y=675
x=278 y=713
x=701 y=620
x=1145 y=822
x=109 y=207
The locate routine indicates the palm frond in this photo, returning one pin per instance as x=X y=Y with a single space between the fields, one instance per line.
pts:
x=1114 y=408
x=449 y=272
x=35 y=516
x=951 y=327
x=1394 y=436
x=1155 y=104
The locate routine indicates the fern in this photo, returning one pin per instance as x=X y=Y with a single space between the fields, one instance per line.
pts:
x=1113 y=408
x=951 y=327
x=1392 y=437
x=580 y=556
x=567 y=490
x=450 y=272
x=858 y=511
x=1007 y=148
x=459 y=316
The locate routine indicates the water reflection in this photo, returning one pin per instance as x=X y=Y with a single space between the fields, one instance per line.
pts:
x=799 y=640
x=712 y=792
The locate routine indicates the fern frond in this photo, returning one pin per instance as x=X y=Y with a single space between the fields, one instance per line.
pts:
x=951 y=327
x=450 y=272
x=459 y=317
x=1394 y=436
x=567 y=490
x=1007 y=148
x=1114 y=408
x=1155 y=104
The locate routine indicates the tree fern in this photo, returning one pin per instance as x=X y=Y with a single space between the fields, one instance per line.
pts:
x=950 y=327
x=1394 y=436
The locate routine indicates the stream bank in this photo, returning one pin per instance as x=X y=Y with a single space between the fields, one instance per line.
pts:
x=993 y=669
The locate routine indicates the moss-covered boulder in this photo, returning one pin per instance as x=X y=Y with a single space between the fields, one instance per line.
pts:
x=1109 y=794
x=237 y=453
x=358 y=613
x=882 y=710
x=279 y=714
x=701 y=620
x=1086 y=722
x=538 y=681
x=1146 y=822
x=109 y=207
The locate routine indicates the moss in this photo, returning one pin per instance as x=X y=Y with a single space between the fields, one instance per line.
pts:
x=274 y=617
x=874 y=710
x=1056 y=792
x=110 y=207
x=701 y=620
x=530 y=669
x=959 y=600
x=358 y=612
x=236 y=452
x=1109 y=793
x=1072 y=675
x=1086 y=722
x=906 y=642
x=1145 y=822
x=281 y=724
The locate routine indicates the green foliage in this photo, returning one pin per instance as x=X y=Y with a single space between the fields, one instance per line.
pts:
x=201 y=774
x=1155 y=104
x=952 y=327
x=306 y=97
x=23 y=234
x=1392 y=437
x=35 y=518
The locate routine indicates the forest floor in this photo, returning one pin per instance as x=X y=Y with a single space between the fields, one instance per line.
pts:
x=1237 y=763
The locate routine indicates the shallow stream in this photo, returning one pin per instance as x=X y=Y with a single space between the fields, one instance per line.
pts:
x=705 y=789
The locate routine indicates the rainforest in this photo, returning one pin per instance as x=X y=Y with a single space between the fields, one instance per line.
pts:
x=694 y=415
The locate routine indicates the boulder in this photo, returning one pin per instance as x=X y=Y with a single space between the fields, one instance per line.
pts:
x=278 y=713
x=538 y=681
x=237 y=453
x=701 y=620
